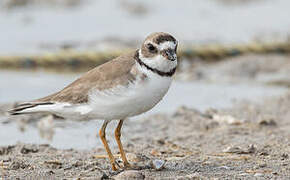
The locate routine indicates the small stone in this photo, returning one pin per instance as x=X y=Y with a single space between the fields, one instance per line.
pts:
x=158 y=164
x=226 y=119
x=130 y=174
x=267 y=122
x=238 y=150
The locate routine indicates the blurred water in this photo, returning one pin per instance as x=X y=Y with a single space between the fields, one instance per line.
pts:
x=23 y=30
x=20 y=86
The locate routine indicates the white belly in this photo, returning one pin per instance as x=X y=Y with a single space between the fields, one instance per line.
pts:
x=122 y=102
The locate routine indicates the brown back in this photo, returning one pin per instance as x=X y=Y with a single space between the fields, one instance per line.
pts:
x=105 y=76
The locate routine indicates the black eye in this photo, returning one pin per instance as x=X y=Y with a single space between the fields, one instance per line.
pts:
x=151 y=47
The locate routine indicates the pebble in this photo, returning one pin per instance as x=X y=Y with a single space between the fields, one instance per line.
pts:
x=130 y=174
x=267 y=122
x=238 y=150
x=158 y=164
x=226 y=119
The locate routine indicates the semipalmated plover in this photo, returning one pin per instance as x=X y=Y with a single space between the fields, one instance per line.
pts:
x=126 y=86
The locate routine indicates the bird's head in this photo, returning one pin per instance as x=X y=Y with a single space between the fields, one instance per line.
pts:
x=159 y=51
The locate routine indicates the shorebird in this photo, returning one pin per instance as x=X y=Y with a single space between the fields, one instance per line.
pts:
x=126 y=86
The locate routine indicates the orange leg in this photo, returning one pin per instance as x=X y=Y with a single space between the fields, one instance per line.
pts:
x=102 y=134
x=118 y=136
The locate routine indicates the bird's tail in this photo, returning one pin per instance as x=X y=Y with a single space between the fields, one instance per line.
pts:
x=30 y=107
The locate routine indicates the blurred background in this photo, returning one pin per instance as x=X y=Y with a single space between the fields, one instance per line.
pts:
x=229 y=51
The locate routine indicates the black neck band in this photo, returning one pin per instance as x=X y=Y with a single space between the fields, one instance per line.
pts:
x=161 y=73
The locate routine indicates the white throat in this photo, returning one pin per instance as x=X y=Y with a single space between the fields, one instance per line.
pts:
x=158 y=62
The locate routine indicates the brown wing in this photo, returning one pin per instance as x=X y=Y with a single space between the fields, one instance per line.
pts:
x=116 y=71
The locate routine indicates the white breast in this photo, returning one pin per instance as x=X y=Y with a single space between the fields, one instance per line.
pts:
x=125 y=101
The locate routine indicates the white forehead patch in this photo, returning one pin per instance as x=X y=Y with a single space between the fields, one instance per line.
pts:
x=167 y=45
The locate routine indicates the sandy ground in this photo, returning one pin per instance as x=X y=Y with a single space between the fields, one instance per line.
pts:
x=247 y=141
